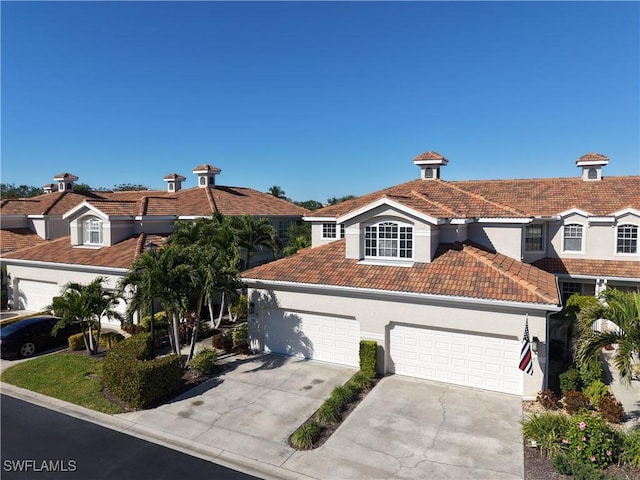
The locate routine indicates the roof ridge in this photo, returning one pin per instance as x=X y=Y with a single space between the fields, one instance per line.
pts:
x=54 y=203
x=473 y=252
x=144 y=202
x=140 y=246
x=212 y=201
x=484 y=199
x=423 y=197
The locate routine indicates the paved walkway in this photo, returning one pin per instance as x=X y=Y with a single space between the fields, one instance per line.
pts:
x=627 y=394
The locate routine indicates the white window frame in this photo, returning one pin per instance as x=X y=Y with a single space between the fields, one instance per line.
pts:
x=573 y=228
x=92 y=226
x=633 y=237
x=395 y=242
x=329 y=230
x=542 y=237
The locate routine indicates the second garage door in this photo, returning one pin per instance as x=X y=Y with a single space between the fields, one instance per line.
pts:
x=461 y=358
x=34 y=295
x=318 y=337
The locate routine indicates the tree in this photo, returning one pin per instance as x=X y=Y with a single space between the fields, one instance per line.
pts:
x=277 y=192
x=127 y=187
x=85 y=304
x=9 y=190
x=309 y=204
x=253 y=234
x=623 y=309
x=335 y=201
x=298 y=237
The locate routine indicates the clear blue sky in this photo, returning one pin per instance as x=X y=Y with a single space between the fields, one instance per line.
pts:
x=323 y=99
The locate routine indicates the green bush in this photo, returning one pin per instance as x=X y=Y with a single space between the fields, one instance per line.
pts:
x=110 y=339
x=590 y=440
x=575 y=401
x=133 y=378
x=611 y=409
x=595 y=391
x=548 y=399
x=240 y=336
x=360 y=381
x=570 y=381
x=591 y=370
x=240 y=308
x=305 y=436
x=329 y=411
x=630 y=447
x=568 y=465
x=547 y=430
x=343 y=395
x=76 y=342
x=160 y=321
x=368 y=357
x=204 y=361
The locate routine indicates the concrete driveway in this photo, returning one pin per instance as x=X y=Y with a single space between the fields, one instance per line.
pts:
x=409 y=428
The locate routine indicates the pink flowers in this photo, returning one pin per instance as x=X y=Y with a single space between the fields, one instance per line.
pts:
x=609 y=453
x=579 y=448
x=565 y=441
x=584 y=439
x=582 y=425
x=592 y=458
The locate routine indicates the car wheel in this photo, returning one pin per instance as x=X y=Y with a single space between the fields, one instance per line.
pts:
x=27 y=349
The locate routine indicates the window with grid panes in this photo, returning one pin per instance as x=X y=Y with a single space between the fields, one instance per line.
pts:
x=388 y=239
x=627 y=241
x=572 y=238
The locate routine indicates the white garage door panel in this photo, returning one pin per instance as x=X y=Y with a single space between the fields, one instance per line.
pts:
x=473 y=360
x=318 y=337
x=34 y=295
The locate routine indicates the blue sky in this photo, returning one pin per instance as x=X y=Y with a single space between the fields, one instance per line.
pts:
x=321 y=98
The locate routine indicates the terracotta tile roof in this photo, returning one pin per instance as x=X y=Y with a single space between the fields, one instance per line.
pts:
x=505 y=198
x=430 y=155
x=591 y=157
x=592 y=268
x=206 y=167
x=174 y=176
x=120 y=255
x=459 y=270
x=117 y=208
x=17 y=238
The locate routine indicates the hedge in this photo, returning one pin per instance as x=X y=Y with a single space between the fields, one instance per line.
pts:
x=107 y=340
x=134 y=378
x=368 y=357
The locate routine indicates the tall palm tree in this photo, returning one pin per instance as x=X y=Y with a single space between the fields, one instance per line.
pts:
x=277 y=192
x=623 y=309
x=86 y=305
x=253 y=234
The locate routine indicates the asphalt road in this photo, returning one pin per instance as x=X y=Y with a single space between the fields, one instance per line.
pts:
x=38 y=443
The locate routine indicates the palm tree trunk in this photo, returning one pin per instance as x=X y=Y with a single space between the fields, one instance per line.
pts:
x=221 y=314
x=194 y=338
x=176 y=333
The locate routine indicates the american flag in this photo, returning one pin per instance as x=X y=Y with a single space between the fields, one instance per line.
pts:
x=526 y=361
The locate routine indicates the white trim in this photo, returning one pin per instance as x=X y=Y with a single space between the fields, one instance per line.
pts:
x=586 y=163
x=504 y=220
x=615 y=242
x=604 y=219
x=36 y=217
x=65 y=266
x=392 y=262
x=319 y=219
x=389 y=203
x=626 y=211
x=596 y=277
x=583 y=239
x=572 y=211
x=159 y=218
x=264 y=285
x=96 y=211
x=461 y=221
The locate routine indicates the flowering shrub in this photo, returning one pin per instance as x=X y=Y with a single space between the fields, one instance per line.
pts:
x=590 y=440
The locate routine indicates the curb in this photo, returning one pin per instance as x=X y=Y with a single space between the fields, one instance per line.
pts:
x=230 y=460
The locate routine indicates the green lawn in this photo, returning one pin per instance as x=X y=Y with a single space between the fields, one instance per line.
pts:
x=69 y=377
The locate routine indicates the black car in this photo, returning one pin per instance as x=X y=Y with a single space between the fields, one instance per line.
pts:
x=25 y=337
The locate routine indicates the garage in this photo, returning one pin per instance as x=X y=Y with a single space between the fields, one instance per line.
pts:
x=34 y=295
x=461 y=358
x=313 y=336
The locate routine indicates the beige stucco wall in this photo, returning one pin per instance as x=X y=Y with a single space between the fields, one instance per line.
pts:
x=501 y=237
x=375 y=315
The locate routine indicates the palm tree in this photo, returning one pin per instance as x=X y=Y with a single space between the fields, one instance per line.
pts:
x=623 y=309
x=277 y=192
x=86 y=305
x=254 y=234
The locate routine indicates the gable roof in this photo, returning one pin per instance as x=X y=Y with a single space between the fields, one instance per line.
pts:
x=503 y=198
x=455 y=271
x=17 y=238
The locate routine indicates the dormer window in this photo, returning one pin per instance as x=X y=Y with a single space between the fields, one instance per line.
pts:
x=627 y=239
x=328 y=230
x=572 y=238
x=389 y=240
x=92 y=231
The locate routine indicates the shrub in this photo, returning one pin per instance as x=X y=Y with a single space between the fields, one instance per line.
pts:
x=76 y=342
x=590 y=440
x=360 y=381
x=630 y=447
x=240 y=336
x=595 y=391
x=570 y=381
x=133 y=329
x=110 y=339
x=160 y=322
x=305 y=436
x=591 y=370
x=568 y=465
x=548 y=399
x=217 y=342
x=575 y=401
x=368 y=357
x=329 y=411
x=133 y=378
x=204 y=361
x=611 y=409
x=547 y=430
x=240 y=308
x=343 y=395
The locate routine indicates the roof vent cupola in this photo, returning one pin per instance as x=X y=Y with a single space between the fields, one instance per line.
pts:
x=206 y=175
x=592 y=164
x=430 y=163
x=65 y=181
x=174 y=182
x=50 y=188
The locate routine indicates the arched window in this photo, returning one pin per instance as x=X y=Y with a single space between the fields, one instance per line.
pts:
x=592 y=174
x=92 y=231
x=572 y=238
x=388 y=239
x=627 y=240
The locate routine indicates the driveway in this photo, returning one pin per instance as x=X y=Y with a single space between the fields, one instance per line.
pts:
x=410 y=428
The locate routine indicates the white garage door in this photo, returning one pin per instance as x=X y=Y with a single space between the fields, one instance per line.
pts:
x=486 y=362
x=318 y=337
x=34 y=295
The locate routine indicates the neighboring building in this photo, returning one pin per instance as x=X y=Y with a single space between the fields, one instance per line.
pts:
x=443 y=274
x=62 y=236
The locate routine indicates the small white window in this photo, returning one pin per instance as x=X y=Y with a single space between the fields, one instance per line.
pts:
x=627 y=240
x=328 y=230
x=572 y=241
x=534 y=238
x=92 y=231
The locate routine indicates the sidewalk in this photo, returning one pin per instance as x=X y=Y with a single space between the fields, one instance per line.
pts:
x=628 y=395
